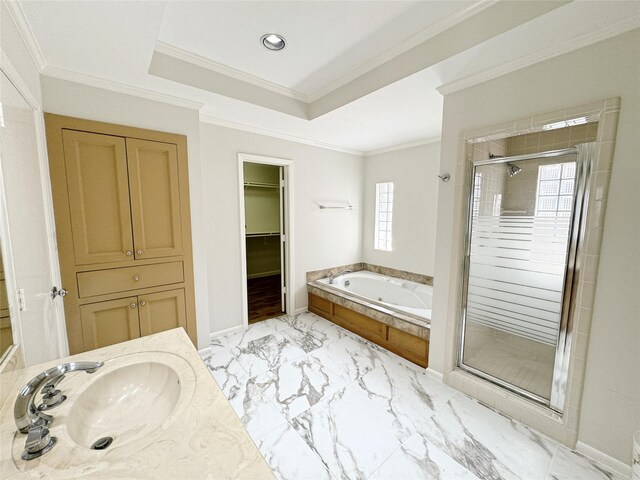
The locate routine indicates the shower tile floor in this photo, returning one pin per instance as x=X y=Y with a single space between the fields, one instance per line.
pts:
x=322 y=403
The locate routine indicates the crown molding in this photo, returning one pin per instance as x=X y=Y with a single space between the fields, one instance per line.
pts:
x=556 y=50
x=272 y=133
x=19 y=19
x=230 y=72
x=434 y=29
x=402 y=146
x=14 y=77
x=114 y=86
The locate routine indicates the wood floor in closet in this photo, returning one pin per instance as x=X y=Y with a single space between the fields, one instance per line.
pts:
x=264 y=298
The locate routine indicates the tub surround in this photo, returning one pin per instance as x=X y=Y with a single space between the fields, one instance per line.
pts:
x=412 y=347
x=400 y=332
x=356 y=267
x=402 y=321
x=206 y=439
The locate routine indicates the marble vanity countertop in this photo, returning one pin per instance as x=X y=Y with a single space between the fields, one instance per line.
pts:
x=206 y=439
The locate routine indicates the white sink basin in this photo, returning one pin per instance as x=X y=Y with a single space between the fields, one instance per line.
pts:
x=132 y=399
x=125 y=403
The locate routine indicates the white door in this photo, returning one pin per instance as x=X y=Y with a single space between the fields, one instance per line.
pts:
x=283 y=239
x=39 y=321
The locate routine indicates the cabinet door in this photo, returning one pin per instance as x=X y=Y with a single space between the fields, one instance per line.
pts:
x=98 y=189
x=155 y=198
x=106 y=323
x=162 y=311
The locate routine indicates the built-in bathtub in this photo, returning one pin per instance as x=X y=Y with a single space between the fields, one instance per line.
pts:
x=395 y=294
x=392 y=311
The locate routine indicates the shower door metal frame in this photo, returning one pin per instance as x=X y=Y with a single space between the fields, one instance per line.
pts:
x=584 y=155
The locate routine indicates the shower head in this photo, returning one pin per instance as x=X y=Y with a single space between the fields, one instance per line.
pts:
x=513 y=170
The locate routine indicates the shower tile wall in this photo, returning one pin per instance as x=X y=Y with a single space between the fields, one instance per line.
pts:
x=520 y=190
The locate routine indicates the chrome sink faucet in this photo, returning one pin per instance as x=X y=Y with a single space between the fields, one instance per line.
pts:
x=31 y=419
x=333 y=277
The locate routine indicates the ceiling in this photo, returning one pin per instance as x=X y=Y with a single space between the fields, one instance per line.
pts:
x=360 y=76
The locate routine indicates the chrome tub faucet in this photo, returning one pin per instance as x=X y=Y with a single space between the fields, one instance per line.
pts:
x=333 y=277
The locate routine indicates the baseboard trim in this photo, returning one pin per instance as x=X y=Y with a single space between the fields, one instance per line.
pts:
x=435 y=375
x=227 y=331
x=606 y=460
x=300 y=310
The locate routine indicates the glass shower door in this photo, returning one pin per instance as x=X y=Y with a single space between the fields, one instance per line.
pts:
x=524 y=216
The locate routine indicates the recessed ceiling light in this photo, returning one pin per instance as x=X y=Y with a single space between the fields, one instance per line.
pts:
x=273 y=41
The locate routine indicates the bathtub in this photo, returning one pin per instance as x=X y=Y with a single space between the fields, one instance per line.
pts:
x=390 y=292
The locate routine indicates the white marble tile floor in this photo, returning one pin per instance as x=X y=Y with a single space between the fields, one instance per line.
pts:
x=323 y=403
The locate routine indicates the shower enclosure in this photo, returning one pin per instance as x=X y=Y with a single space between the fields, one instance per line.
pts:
x=526 y=219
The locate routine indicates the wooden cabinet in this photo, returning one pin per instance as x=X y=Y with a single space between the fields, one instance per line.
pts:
x=155 y=198
x=121 y=203
x=115 y=321
x=97 y=186
x=161 y=311
x=106 y=323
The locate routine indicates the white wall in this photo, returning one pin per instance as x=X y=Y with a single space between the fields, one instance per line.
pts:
x=323 y=238
x=75 y=100
x=414 y=174
x=611 y=398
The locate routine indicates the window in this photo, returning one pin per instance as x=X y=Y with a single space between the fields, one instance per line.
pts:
x=384 y=216
x=555 y=190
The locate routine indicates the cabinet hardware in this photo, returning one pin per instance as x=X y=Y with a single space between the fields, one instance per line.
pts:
x=139 y=252
x=129 y=253
x=136 y=278
x=133 y=305
x=143 y=303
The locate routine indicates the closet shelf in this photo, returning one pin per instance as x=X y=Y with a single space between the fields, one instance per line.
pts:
x=260 y=185
x=262 y=234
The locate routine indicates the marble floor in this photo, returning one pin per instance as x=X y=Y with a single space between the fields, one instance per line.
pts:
x=323 y=403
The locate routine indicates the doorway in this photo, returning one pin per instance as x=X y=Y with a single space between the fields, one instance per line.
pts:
x=265 y=225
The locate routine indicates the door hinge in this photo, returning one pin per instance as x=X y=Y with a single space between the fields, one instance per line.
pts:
x=283 y=238
x=22 y=301
x=281 y=182
x=284 y=289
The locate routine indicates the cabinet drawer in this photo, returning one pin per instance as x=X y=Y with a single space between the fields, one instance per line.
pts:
x=115 y=280
x=358 y=323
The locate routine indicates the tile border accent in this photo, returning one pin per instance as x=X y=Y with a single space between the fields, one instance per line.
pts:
x=314 y=275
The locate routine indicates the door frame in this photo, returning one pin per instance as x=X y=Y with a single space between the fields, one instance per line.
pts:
x=62 y=346
x=287 y=168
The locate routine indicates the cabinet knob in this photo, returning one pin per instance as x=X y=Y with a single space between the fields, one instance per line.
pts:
x=136 y=278
x=129 y=253
x=133 y=305
x=139 y=252
x=143 y=303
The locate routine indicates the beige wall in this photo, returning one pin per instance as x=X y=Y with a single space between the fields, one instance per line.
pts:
x=414 y=172
x=322 y=238
x=611 y=399
x=75 y=100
